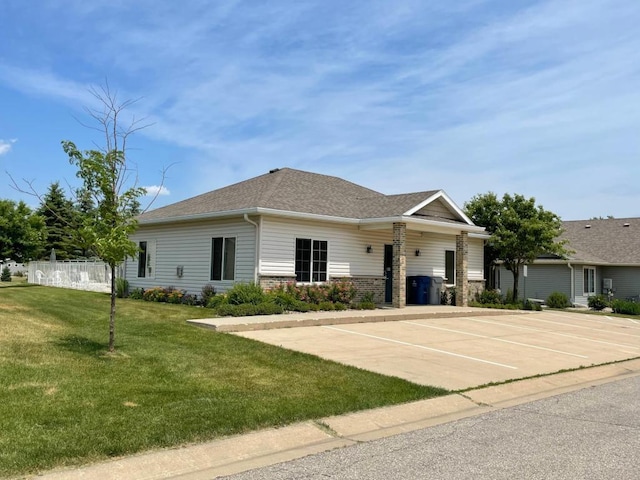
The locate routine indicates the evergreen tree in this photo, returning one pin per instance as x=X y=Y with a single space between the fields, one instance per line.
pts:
x=61 y=220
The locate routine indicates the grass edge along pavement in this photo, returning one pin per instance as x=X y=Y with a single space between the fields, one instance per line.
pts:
x=64 y=401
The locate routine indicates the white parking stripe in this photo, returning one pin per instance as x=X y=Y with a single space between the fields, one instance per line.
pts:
x=584 y=328
x=420 y=346
x=497 y=339
x=556 y=333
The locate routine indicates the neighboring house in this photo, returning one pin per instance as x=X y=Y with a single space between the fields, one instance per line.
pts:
x=605 y=255
x=294 y=226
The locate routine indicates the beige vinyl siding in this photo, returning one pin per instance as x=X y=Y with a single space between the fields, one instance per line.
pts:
x=346 y=247
x=432 y=255
x=626 y=280
x=437 y=208
x=189 y=245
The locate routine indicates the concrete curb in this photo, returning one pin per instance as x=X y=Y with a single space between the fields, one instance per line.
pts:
x=267 y=447
x=316 y=319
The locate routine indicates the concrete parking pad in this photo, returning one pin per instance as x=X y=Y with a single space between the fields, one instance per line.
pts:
x=464 y=352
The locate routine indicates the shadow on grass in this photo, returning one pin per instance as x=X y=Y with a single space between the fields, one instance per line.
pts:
x=82 y=345
x=17 y=285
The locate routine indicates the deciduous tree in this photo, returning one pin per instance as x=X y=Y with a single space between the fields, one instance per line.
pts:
x=22 y=232
x=520 y=230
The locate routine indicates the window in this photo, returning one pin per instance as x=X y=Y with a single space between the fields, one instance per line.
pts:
x=142 y=259
x=589 y=280
x=450 y=266
x=223 y=258
x=311 y=260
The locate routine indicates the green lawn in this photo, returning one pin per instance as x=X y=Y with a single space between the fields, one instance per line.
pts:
x=65 y=401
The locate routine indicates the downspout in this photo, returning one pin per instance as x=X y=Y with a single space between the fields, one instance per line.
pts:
x=255 y=260
x=573 y=283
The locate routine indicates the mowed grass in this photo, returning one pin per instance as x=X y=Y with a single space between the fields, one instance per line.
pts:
x=65 y=401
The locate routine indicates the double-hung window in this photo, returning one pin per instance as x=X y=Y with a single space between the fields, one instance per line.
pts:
x=589 y=275
x=223 y=258
x=311 y=260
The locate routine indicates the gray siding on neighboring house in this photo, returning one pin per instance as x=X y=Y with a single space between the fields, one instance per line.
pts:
x=626 y=280
x=541 y=281
x=189 y=245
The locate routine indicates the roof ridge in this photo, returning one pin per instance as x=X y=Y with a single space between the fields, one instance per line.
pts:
x=279 y=174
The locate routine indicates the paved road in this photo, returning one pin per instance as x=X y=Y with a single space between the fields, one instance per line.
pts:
x=589 y=434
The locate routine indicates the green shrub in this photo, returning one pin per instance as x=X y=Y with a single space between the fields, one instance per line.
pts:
x=368 y=297
x=268 y=308
x=342 y=292
x=280 y=297
x=499 y=306
x=155 y=294
x=175 y=296
x=136 y=294
x=625 y=307
x=19 y=274
x=448 y=296
x=327 y=306
x=366 y=306
x=597 y=302
x=216 y=301
x=339 y=306
x=207 y=293
x=301 y=306
x=6 y=275
x=529 y=305
x=557 y=300
x=488 y=296
x=122 y=287
x=246 y=293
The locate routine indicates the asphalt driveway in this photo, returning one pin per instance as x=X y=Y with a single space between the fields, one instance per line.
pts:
x=457 y=353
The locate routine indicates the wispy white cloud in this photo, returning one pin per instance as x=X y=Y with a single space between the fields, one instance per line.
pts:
x=5 y=145
x=397 y=96
x=153 y=190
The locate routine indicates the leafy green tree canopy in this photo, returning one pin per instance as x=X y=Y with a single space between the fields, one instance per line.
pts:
x=22 y=232
x=520 y=230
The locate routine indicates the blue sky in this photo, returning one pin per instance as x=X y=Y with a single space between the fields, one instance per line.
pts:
x=540 y=98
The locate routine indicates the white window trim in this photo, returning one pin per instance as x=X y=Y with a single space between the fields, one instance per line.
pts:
x=584 y=287
x=235 y=258
x=295 y=251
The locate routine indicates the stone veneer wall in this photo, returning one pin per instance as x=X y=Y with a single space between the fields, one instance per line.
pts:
x=375 y=285
x=475 y=287
x=462 y=269
x=399 y=296
x=268 y=282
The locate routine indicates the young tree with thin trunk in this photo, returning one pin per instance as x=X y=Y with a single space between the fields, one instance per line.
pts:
x=520 y=231
x=106 y=178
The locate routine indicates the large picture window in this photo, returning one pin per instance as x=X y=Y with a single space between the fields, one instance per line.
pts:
x=142 y=259
x=589 y=280
x=223 y=258
x=450 y=266
x=311 y=260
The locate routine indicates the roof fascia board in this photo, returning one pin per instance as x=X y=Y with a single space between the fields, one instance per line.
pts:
x=440 y=194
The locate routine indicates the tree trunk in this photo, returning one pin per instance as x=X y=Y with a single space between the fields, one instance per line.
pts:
x=516 y=280
x=112 y=314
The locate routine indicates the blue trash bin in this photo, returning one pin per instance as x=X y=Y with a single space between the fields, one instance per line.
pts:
x=422 y=289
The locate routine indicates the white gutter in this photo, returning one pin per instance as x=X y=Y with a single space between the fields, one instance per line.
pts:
x=573 y=282
x=312 y=217
x=255 y=260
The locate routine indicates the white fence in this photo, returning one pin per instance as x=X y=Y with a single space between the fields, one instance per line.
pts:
x=80 y=275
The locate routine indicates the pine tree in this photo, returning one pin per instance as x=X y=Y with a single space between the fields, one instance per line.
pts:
x=61 y=221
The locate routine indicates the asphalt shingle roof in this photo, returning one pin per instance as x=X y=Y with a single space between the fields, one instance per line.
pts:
x=294 y=190
x=604 y=241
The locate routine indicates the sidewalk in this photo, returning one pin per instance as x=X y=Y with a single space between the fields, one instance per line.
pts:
x=257 y=449
x=312 y=319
